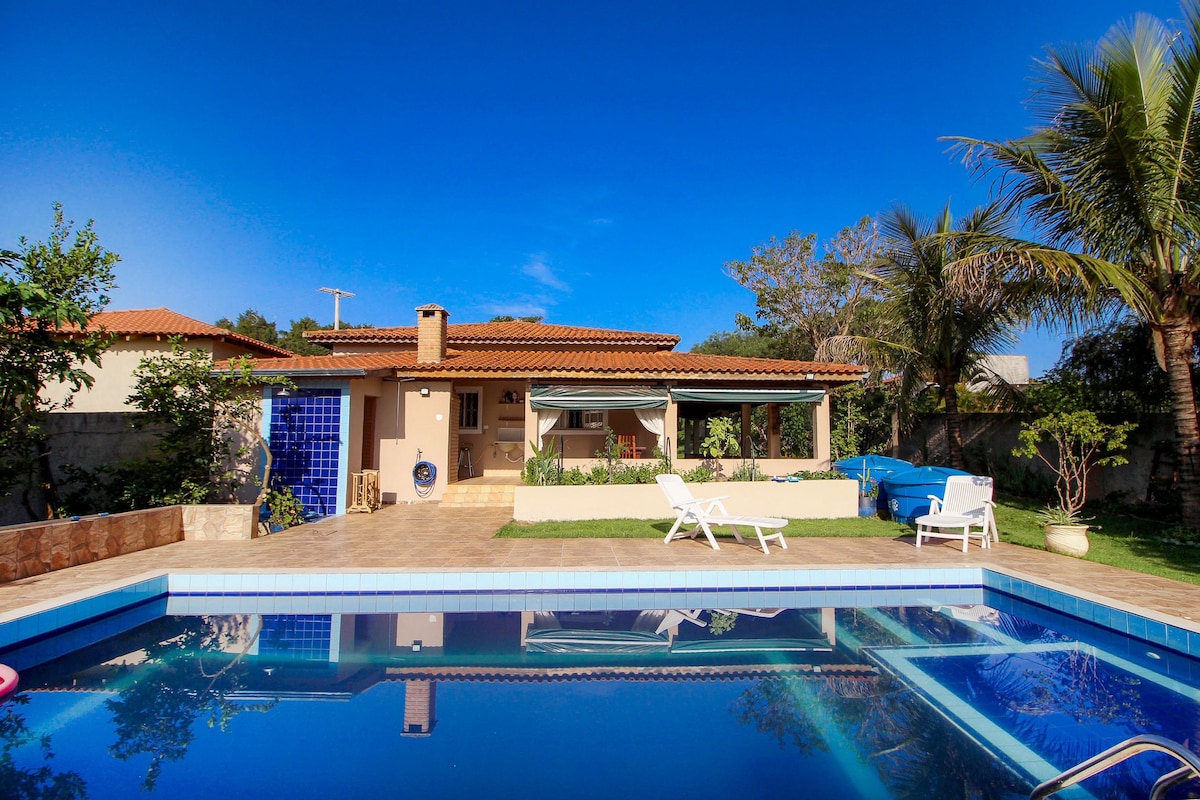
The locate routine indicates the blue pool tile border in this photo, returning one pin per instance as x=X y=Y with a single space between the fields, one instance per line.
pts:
x=537 y=590
x=1152 y=631
x=79 y=612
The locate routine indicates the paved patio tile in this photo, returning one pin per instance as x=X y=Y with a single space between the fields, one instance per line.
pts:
x=428 y=538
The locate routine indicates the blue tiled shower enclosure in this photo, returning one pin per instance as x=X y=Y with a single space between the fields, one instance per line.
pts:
x=305 y=441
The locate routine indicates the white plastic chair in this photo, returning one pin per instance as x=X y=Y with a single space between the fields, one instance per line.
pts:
x=709 y=511
x=967 y=504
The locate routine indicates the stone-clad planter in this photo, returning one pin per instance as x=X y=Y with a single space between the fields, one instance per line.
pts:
x=801 y=500
x=35 y=548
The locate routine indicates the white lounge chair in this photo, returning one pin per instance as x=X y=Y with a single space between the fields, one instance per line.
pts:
x=677 y=615
x=709 y=511
x=967 y=504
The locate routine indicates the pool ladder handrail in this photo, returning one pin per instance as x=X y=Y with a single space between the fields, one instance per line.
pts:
x=1121 y=752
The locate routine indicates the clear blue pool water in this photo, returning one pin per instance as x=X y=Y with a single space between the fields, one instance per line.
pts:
x=952 y=693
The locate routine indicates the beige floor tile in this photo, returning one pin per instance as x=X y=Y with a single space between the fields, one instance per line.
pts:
x=426 y=537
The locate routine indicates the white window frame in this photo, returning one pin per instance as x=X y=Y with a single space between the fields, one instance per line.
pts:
x=599 y=423
x=478 y=392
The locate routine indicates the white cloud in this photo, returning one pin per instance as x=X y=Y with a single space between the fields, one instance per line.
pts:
x=540 y=271
x=516 y=309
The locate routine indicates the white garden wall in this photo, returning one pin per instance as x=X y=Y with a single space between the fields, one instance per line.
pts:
x=812 y=499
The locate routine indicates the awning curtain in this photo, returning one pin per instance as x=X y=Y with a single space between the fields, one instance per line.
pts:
x=753 y=396
x=583 y=398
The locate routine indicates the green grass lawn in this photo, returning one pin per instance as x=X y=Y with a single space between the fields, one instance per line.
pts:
x=1117 y=540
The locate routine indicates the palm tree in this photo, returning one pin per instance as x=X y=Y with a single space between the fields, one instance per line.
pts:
x=941 y=332
x=1110 y=178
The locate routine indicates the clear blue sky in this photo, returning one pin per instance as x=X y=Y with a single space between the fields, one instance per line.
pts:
x=595 y=162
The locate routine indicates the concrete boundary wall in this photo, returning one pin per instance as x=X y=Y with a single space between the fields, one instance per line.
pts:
x=812 y=499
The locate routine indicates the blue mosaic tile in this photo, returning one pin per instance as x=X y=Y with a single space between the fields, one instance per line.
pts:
x=1156 y=632
x=305 y=437
x=1177 y=639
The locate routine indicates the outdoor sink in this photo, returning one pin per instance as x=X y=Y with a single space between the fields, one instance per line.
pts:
x=510 y=440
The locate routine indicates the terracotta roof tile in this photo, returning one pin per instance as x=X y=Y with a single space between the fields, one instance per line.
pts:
x=570 y=363
x=667 y=672
x=164 y=322
x=499 y=333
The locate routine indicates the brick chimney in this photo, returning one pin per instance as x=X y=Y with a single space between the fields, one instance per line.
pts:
x=420 y=708
x=431 y=333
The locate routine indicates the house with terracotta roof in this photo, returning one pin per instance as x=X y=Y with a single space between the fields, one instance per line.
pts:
x=95 y=429
x=469 y=399
x=142 y=333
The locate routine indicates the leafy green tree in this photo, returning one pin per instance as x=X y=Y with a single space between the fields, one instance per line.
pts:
x=939 y=333
x=294 y=339
x=1079 y=442
x=206 y=423
x=747 y=344
x=256 y=326
x=207 y=417
x=720 y=437
x=860 y=420
x=184 y=678
x=785 y=710
x=1110 y=177
x=807 y=293
x=253 y=324
x=46 y=289
x=31 y=783
x=1109 y=370
x=510 y=318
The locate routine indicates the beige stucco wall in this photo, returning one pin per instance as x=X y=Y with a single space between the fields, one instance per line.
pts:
x=426 y=427
x=429 y=629
x=114 y=377
x=830 y=499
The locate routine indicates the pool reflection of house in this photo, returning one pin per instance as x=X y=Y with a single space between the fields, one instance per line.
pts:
x=334 y=657
x=435 y=392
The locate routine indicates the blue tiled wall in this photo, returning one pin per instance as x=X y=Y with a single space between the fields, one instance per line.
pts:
x=306 y=441
x=304 y=637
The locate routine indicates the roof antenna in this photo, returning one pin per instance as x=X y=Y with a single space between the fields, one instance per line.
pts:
x=338 y=294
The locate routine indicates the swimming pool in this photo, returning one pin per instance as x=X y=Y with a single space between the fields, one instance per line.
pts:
x=906 y=685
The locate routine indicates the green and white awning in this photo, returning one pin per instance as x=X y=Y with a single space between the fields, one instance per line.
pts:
x=752 y=396
x=589 y=398
x=585 y=398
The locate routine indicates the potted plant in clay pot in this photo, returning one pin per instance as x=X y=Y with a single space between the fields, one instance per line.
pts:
x=1077 y=442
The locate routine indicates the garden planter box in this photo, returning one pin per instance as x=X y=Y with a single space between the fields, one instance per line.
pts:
x=822 y=499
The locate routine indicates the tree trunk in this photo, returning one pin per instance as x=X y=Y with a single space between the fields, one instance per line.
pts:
x=954 y=445
x=1177 y=352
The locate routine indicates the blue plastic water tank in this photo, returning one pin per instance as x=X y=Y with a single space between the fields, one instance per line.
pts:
x=908 y=490
x=880 y=467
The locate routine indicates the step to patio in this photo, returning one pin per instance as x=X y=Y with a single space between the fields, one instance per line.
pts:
x=476 y=495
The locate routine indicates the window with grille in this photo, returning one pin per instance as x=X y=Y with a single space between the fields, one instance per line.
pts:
x=470 y=416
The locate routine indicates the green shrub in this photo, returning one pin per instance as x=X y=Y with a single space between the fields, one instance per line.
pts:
x=698 y=475
x=541 y=468
x=286 y=509
x=747 y=471
x=573 y=477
